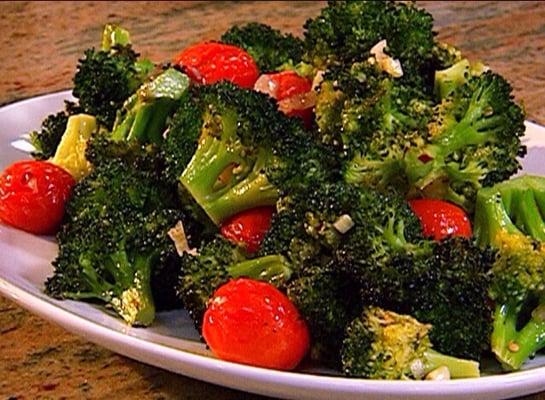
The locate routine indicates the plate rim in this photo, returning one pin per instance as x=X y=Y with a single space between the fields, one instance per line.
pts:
x=250 y=378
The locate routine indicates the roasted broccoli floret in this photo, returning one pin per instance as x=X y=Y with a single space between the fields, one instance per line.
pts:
x=433 y=125
x=345 y=31
x=509 y=217
x=450 y=285
x=70 y=153
x=144 y=114
x=46 y=140
x=381 y=344
x=269 y=47
x=371 y=119
x=233 y=150
x=311 y=226
x=105 y=78
x=216 y=262
x=114 y=246
x=328 y=300
x=473 y=140
x=396 y=268
x=443 y=284
x=449 y=79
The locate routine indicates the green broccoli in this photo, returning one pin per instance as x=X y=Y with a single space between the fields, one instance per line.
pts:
x=232 y=150
x=509 y=217
x=144 y=115
x=381 y=344
x=114 y=246
x=451 y=284
x=70 y=153
x=392 y=137
x=473 y=141
x=371 y=119
x=105 y=78
x=443 y=284
x=269 y=47
x=384 y=255
x=328 y=300
x=311 y=226
x=345 y=31
x=449 y=79
x=46 y=140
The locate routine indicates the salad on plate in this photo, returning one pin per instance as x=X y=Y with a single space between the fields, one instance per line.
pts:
x=344 y=197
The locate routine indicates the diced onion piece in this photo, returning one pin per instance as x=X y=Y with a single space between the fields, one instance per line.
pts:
x=318 y=78
x=344 y=223
x=177 y=234
x=385 y=62
x=265 y=84
x=300 y=101
x=417 y=369
x=439 y=374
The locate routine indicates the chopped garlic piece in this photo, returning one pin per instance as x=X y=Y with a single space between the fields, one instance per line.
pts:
x=344 y=223
x=417 y=368
x=299 y=101
x=318 y=78
x=385 y=62
x=439 y=374
x=177 y=234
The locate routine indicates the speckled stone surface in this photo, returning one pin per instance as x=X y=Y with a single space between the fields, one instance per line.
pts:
x=40 y=44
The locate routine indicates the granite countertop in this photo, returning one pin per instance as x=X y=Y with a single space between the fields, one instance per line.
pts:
x=39 y=47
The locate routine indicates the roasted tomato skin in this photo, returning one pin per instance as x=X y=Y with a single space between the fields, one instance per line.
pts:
x=292 y=92
x=441 y=219
x=211 y=62
x=252 y=322
x=248 y=228
x=33 y=195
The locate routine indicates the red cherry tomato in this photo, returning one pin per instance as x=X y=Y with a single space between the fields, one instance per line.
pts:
x=292 y=92
x=207 y=63
x=252 y=322
x=441 y=219
x=248 y=228
x=33 y=195
x=288 y=84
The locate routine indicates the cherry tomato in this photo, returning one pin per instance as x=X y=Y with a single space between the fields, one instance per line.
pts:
x=211 y=62
x=252 y=322
x=248 y=228
x=33 y=195
x=441 y=219
x=293 y=93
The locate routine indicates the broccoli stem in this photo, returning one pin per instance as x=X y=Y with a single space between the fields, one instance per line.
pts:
x=458 y=367
x=475 y=128
x=504 y=331
x=113 y=36
x=530 y=339
x=447 y=80
x=361 y=170
x=127 y=290
x=512 y=347
x=394 y=233
x=144 y=114
x=137 y=306
x=270 y=268
x=221 y=181
x=492 y=217
x=149 y=121
x=70 y=153
x=527 y=214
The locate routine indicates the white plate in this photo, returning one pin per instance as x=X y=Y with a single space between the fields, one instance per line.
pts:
x=172 y=343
